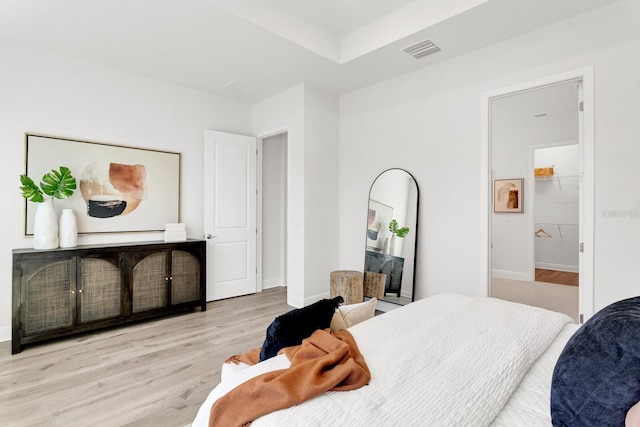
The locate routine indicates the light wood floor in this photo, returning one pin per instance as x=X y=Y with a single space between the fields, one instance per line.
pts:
x=154 y=373
x=560 y=298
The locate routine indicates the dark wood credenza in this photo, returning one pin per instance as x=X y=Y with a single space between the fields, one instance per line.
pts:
x=62 y=292
x=390 y=265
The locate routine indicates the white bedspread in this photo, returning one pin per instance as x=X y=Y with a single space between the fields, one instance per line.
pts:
x=529 y=404
x=447 y=360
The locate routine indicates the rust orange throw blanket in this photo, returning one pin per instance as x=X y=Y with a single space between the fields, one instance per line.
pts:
x=324 y=361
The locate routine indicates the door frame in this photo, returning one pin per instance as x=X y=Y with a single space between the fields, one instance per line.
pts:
x=259 y=186
x=585 y=293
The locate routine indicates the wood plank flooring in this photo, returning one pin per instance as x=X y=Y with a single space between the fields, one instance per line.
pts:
x=558 y=277
x=155 y=373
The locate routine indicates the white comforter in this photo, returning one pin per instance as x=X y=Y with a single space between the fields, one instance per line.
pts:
x=529 y=404
x=447 y=360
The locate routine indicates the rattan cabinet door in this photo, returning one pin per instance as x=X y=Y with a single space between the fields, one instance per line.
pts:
x=100 y=289
x=150 y=282
x=48 y=295
x=185 y=277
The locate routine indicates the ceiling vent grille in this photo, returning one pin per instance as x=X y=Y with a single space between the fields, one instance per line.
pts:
x=239 y=86
x=422 y=49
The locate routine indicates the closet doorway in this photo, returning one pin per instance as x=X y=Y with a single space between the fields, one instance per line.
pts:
x=538 y=126
x=556 y=208
x=273 y=216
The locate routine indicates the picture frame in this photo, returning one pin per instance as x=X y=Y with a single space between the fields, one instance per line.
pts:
x=119 y=188
x=508 y=195
x=378 y=220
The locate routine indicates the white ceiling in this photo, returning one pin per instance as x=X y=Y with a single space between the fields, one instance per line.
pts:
x=272 y=45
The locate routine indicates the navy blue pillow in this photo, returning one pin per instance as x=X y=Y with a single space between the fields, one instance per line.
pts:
x=291 y=328
x=597 y=377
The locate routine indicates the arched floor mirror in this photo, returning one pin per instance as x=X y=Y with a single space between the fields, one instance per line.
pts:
x=391 y=235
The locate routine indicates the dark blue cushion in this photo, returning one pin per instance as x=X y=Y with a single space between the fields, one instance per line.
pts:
x=291 y=328
x=597 y=377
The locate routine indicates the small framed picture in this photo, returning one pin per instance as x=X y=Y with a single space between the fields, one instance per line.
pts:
x=507 y=195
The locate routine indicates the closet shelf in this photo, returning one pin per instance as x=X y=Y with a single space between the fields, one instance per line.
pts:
x=545 y=178
x=555 y=177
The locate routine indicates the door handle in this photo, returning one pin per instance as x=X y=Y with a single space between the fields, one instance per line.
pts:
x=209 y=236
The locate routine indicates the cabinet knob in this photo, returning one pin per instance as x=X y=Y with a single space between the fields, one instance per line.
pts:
x=80 y=291
x=73 y=292
x=166 y=279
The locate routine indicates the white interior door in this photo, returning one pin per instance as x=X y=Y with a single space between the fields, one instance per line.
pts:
x=230 y=214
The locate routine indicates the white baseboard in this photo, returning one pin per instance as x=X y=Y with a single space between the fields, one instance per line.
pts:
x=5 y=334
x=558 y=267
x=300 y=302
x=274 y=283
x=315 y=298
x=513 y=275
x=295 y=301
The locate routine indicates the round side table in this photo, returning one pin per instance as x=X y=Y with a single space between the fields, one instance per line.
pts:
x=348 y=284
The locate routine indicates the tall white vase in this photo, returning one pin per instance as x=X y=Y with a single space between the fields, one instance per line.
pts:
x=45 y=226
x=392 y=245
x=68 y=229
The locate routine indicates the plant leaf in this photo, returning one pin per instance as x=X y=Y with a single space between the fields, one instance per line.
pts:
x=58 y=184
x=402 y=232
x=30 y=190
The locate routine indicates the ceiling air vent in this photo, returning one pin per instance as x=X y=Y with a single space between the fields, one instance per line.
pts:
x=422 y=49
x=239 y=86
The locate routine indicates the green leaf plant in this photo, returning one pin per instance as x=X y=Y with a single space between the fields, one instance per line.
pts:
x=59 y=184
x=400 y=232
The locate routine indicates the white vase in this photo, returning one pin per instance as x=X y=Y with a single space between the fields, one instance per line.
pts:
x=68 y=229
x=45 y=226
x=392 y=245
x=385 y=247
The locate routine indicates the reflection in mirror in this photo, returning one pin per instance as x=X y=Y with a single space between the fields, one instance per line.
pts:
x=392 y=226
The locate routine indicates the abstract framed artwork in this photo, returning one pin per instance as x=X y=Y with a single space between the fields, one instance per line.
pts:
x=507 y=195
x=119 y=188
x=378 y=224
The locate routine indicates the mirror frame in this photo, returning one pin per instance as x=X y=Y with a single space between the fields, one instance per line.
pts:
x=415 y=249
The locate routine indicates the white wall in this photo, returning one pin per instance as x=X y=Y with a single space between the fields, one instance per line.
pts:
x=321 y=191
x=285 y=112
x=310 y=117
x=274 y=211
x=51 y=94
x=428 y=122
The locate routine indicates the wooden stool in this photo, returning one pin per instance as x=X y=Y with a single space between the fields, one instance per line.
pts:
x=348 y=284
x=373 y=286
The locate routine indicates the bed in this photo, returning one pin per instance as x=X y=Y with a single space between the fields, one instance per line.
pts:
x=459 y=361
